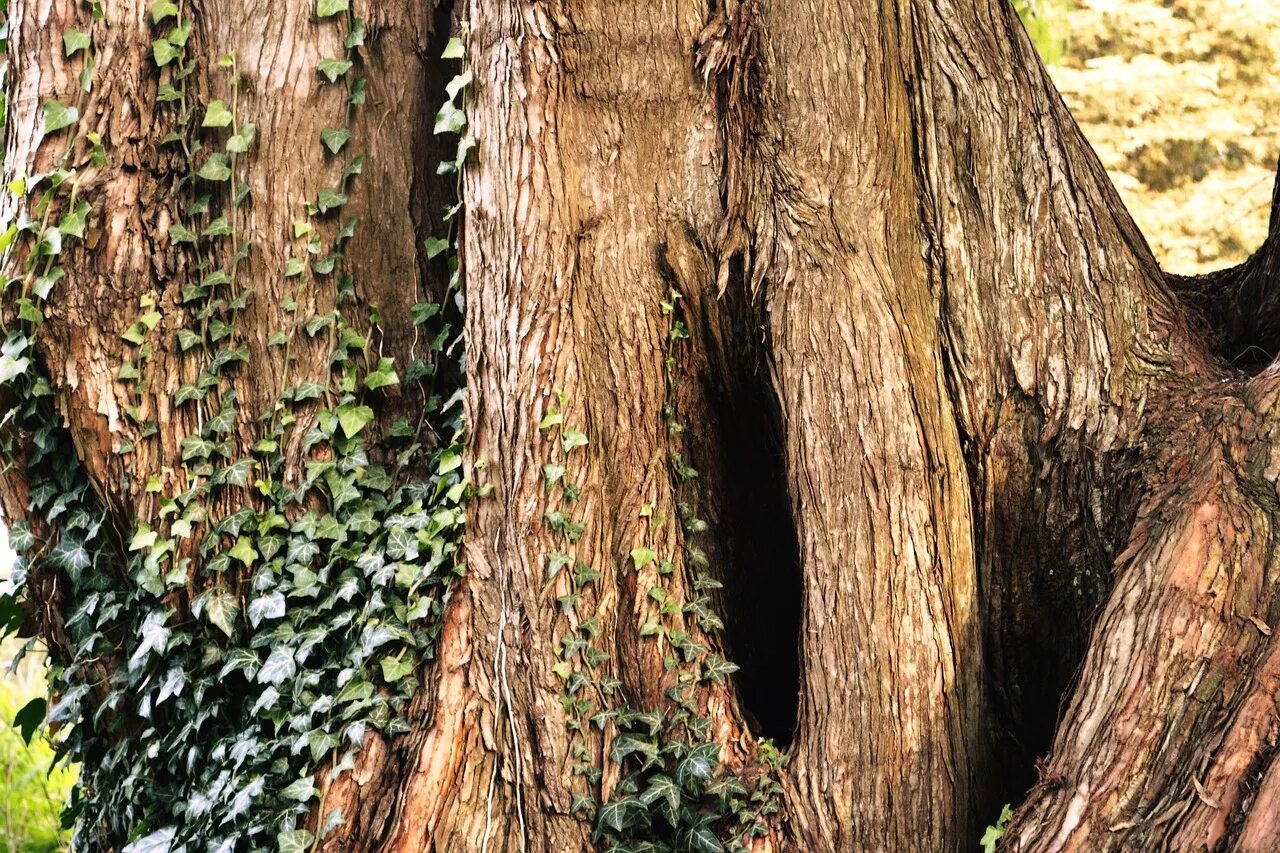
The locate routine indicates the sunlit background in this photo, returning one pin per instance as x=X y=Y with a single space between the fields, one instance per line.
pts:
x=1180 y=99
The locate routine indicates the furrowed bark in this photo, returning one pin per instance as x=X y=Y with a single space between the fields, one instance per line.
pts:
x=596 y=172
x=975 y=406
x=1173 y=722
x=880 y=499
x=128 y=251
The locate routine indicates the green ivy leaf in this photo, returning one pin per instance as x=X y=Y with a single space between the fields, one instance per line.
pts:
x=454 y=49
x=663 y=787
x=434 y=246
x=143 y=538
x=243 y=551
x=73 y=40
x=700 y=839
x=353 y=418
x=58 y=115
x=450 y=119
x=335 y=138
x=329 y=8
x=334 y=69
x=160 y=841
x=394 y=670
x=330 y=199
x=300 y=790
x=221 y=608
x=240 y=142
x=28 y=312
x=162 y=9
x=164 y=52
x=31 y=717
x=457 y=84
x=572 y=438
x=382 y=377
x=614 y=815
x=279 y=667
x=295 y=841
x=216 y=168
x=216 y=115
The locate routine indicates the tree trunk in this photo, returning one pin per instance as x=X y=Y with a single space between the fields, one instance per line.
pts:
x=811 y=336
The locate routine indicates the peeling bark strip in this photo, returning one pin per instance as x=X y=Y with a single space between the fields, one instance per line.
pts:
x=1015 y=463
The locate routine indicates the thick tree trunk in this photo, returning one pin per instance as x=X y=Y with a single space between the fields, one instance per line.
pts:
x=965 y=453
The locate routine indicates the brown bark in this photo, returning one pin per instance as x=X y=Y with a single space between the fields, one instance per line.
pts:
x=988 y=448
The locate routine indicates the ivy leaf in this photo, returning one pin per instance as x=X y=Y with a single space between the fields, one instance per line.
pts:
x=382 y=377
x=28 y=312
x=73 y=40
x=240 y=659
x=216 y=115
x=663 y=787
x=457 y=84
x=450 y=119
x=143 y=538
x=394 y=670
x=187 y=339
x=243 y=551
x=434 y=246
x=700 y=839
x=329 y=199
x=155 y=637
x=335 y=138
x=266 y=607
x=329 y=8
x=160 y=841
x=571 y=438
x=11 y=367
x=31 y=717
x=164 y=52
x=221 y=609
x=334 y=69
x=300 y=790
x=699 y=764
x=162 y=9
x=295 y=841
x=454 y=49
x=642 y=557
x=614 y=815
x=353 y=418
x=308 y=389
x=240 y=142
x=280 y=666
x=216 y=168
x=58 y=115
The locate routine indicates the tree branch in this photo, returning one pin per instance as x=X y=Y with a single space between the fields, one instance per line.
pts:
x=1241 y=304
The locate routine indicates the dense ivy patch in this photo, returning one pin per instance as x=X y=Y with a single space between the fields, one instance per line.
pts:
x=218 y=659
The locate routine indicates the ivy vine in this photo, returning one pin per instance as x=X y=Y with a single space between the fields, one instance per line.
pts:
x=252 y=627
x=674 y=792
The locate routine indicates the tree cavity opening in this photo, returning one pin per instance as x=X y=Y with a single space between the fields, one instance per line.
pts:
x=761 y=599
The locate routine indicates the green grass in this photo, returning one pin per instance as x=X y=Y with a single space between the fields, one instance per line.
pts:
x=31 y=798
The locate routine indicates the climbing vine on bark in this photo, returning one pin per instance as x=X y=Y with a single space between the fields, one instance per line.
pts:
x=225 y=659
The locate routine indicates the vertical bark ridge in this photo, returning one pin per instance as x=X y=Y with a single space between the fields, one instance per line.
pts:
x=1058 y=332
x=824 y=212
x=595 y=177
